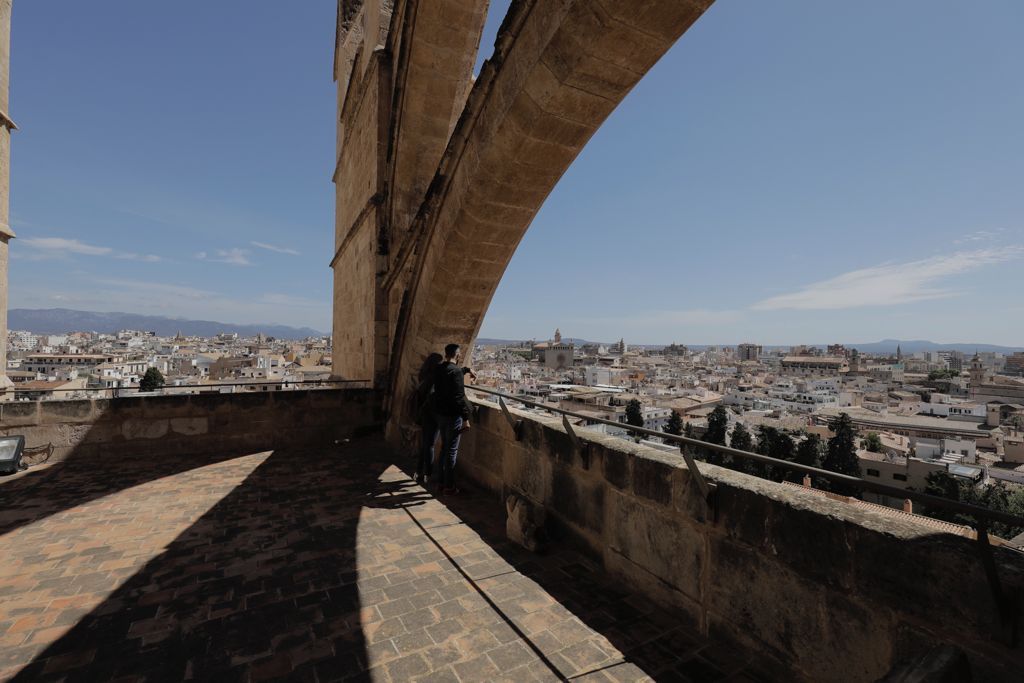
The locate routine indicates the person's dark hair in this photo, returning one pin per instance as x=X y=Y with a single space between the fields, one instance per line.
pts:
x=450 y=350
x=431 y=362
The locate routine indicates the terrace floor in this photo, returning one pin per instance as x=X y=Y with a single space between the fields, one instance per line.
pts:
x=317 y=566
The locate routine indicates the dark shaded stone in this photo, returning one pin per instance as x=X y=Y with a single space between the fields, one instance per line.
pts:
x=59 y=411
x=615 y=465
x=652 y=480
x=579 y=501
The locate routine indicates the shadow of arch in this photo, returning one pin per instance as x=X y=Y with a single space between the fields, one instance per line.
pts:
x=263 y=585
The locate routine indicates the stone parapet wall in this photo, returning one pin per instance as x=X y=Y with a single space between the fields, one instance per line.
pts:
x=198 y=424
x=816 y=586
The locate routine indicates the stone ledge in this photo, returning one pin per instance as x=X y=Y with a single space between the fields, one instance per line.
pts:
x=854 y=575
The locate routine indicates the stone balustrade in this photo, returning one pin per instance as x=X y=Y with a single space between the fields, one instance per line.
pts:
x=197 y=424
x=831 y=590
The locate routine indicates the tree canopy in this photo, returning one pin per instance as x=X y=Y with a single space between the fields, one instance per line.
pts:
x=718 y=425
x=634 y=413
x=152 y=380
x=741 y=440
x=841 y=455
x=995 y=496
x=675 y=424
x=872 y=442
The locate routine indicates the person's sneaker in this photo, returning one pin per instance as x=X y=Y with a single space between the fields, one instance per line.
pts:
x=418 y=478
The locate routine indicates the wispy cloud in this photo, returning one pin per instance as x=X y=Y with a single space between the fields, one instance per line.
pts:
x=979 y=236
x=65 y=246
x=60 y=247
x=233 y=256
x=274 y=299
x=696 y=317
x=158 y=288
x=279 y=250
x=890 y=283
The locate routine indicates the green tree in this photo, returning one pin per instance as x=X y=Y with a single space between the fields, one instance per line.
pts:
x=675 y=424
x=841 y=455
x=938 y=375
x=718 y=425
x=784 y=448
x=688 y=431
x=775 y=444
x=872 y=442
x=741 y=440
x=994 y=497
x=634 y=413
x=152 y=380
x=808 y=452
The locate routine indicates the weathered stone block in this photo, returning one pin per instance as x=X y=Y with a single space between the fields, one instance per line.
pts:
x=580 y=500
x=559 y=445
x=18 y=413
x=614 y=466
x=812 y=544
x=189 y=426
x=140 y=428
x=163 y=406
x=65 y=411
x=851 y=649
x=526 y=471
x=751 y=597
x=931 y=565
x=657 y=542
x=652 y=480
x=743 y=514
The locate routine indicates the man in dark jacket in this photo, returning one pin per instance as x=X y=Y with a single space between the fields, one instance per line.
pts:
x=452 y=413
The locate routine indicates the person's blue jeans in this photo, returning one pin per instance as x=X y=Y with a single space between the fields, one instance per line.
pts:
x=428 y=436
x=451 y=432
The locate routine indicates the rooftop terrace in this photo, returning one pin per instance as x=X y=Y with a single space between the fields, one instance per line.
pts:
x=314 y=564
x=277 y=536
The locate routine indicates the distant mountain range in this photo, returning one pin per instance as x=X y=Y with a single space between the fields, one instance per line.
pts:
x=916 y=345
x=879 y=347
x=62 y=320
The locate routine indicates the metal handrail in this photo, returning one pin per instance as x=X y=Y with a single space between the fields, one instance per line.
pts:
x=978 y=513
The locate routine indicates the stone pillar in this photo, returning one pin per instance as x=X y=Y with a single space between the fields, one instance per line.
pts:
x=6 y=126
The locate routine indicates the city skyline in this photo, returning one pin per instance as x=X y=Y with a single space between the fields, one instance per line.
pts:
x=861 y=194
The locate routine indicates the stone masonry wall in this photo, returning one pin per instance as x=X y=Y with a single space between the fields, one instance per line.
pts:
x=810 y=584
x=215 y=424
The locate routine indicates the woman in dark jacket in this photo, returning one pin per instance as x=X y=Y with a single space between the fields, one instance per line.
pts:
x=425 y=418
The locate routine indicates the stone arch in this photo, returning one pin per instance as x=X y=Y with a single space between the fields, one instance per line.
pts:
x=558 y=71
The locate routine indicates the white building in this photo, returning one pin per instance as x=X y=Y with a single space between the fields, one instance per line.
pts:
x=656 y=418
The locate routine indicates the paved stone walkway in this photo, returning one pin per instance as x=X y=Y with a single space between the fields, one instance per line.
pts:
x=305 y=566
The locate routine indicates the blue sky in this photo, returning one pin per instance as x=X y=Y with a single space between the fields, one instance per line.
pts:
x=791 y=172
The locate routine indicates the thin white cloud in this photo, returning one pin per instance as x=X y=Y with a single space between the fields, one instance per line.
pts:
x=65 y=246
x=147 y=258
x=279 y=250
x=889 y=284
x=59 y=247
x=697 y=317
x=275 y=299
x=164 y=289
x=233 y=256
x=979 y=236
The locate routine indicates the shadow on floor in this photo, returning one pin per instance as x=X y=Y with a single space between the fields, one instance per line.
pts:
x=266 y=586
x=650 y=638
x=263 y=586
